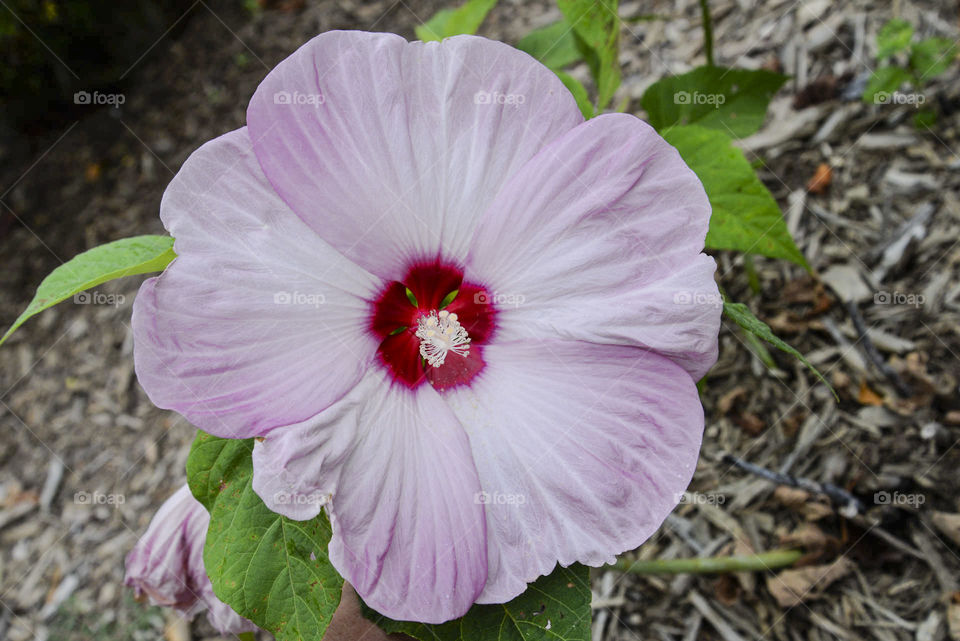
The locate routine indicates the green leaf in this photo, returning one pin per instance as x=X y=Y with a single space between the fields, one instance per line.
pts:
x=553 y=45
x=125 y=257
x=745 y=215
x=270 y=569
x=596 y=29
x=579 y=93
x=931 y=57
x=925 y=119
x=893 y=37
x=453 y=22
x=883 y=83
x=555 y=607
x=733 y=101
x=743 y=317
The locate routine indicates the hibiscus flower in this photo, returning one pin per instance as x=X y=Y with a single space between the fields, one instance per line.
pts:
x=166 y=565
x=460 y=319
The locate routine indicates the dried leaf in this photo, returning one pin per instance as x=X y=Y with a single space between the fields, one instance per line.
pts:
x=792 y=497
x=821 y=179
x=726 y=590
x=792 y=587
x=814 y=511
x=807 y=535
x=867 y=396
x=725 y=402
x=953 y=620
x=92 y=172
x=948 y=524
x=751 y=423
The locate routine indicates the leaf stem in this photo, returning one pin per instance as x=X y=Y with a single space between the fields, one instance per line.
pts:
x=707 y=31
x=711 y=565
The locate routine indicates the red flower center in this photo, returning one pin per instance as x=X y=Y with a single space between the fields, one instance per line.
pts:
x=434 y=299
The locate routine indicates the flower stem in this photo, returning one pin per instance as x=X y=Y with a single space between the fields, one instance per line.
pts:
x=707 y=31
x=711 y=565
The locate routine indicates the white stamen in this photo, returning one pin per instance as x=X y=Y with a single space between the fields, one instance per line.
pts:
x=439 y=334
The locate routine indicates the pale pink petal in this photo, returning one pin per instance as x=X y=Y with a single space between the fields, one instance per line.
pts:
x=224 y=619
x=258 y=322
x=296 y=469
x=391 y=150
x=395 y=465
x=166 y=564
x=582 y=451
x=598 y=238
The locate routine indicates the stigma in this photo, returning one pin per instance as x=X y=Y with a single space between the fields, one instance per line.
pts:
x=441 y=333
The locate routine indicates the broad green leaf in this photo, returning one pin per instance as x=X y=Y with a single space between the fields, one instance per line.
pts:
x=596 y=29
x=453 y=22
x=125 y=257
x=745 y=215
x=554 y=607
x=270 y=569
x=553 y=45
x=733 y=101
x=579 y=93
x=743 y=317
x=883 y=83
x=931 y=57
x=435 y=27
x=893 y=38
